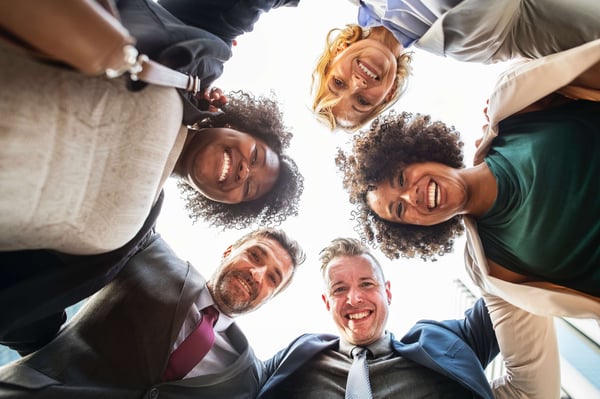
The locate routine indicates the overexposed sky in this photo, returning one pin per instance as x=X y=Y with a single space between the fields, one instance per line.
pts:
x=279 y=56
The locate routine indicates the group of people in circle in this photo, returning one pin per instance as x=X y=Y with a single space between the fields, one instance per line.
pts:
x=85 y=160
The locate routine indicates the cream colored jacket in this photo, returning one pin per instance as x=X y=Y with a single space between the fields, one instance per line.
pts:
x=517 y=88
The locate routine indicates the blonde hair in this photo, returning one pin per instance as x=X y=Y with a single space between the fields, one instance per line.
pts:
x=337 y=40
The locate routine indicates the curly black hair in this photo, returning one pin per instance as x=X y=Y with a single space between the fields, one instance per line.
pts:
x=261 y=118
x=394 y=141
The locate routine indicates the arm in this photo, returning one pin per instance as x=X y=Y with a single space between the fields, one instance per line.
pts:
x=528 y=344
x=225 y=18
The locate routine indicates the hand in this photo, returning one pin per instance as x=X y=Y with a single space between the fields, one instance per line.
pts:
x=214 y=97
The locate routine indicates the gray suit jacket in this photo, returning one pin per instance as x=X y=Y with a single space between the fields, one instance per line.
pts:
x=119 y=343
x=492 y=31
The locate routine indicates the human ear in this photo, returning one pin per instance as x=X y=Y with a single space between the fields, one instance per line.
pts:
x=340 y=48
x=227 y=251
x=390 y=95
x=388 y=292
x=325 y=301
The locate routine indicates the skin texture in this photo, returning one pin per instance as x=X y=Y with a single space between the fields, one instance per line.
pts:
x=249 y=275
x=429 y=193
x=355 y=287
x=362 y=77
x=260 y=117
x=229 y=166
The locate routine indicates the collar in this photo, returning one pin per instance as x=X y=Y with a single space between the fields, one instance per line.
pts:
x=383 y=346
x=205 y=300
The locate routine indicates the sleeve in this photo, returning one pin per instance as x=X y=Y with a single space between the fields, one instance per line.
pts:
x=530 y=351
x=273 y=363
x=475 y=331
x=227 y=19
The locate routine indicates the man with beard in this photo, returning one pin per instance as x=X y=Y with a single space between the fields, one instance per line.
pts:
x=128 y=341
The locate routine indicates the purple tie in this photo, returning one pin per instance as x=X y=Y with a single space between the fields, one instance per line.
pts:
x=193 y=348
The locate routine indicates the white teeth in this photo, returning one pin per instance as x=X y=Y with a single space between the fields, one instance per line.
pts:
x=226 y=163
x=369 y=73
x=433 y=195
x=245 y=285
x=360 y=315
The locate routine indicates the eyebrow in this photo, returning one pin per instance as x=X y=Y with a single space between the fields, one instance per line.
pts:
x=392 y=180
x=252 y=187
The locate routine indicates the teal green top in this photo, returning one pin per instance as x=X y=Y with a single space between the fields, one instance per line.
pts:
x=545 y=221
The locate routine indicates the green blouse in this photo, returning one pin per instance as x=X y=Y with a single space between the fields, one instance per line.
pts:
x=545 y=221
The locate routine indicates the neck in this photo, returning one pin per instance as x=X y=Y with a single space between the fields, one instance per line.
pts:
x=482 y=189
x=386 y=37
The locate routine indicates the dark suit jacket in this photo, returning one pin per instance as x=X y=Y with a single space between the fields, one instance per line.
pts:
x=458 y=349
x=119 y=343
x=193 y=37
x=36 y=286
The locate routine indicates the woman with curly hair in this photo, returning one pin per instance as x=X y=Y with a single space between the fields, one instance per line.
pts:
x=350 y=87
x=533 y=201
x=233 y=167
x=259 y=184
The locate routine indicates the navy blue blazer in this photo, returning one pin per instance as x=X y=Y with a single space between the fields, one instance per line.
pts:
x=459 y=349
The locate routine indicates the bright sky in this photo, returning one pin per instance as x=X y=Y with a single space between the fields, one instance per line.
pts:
x=279 y=56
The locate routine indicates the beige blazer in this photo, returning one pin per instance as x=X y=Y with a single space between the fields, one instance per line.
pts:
x=517 y=88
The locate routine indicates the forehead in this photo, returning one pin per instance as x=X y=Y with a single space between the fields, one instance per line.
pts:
x=347 y=268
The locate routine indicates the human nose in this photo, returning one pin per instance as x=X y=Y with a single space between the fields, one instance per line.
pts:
x=243 y=171
x=354 y=296
x=410 y=196
x=359 y=82
x=258 y=273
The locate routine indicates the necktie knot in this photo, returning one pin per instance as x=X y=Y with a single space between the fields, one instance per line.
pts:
x=211 y=315
x=193 y=349
x=359 y=351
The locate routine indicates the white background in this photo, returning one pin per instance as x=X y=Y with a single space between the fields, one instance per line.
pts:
x=279 y=56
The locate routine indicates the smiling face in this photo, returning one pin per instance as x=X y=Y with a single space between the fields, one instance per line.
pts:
x=229 y=166
x=357 y=298
x=423 y=194
x=362 y=77
x=249 y=275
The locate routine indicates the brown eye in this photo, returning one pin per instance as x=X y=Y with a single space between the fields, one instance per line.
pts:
x=399 y=210
x=401 y=178
x=362 y=101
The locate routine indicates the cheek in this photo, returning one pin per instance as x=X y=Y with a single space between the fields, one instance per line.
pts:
x=216 y=195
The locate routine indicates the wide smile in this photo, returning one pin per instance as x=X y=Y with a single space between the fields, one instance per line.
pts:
x=367 y=71
x=358 y=315
x=226 y=167
x=246 y=283
x=433 y=195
